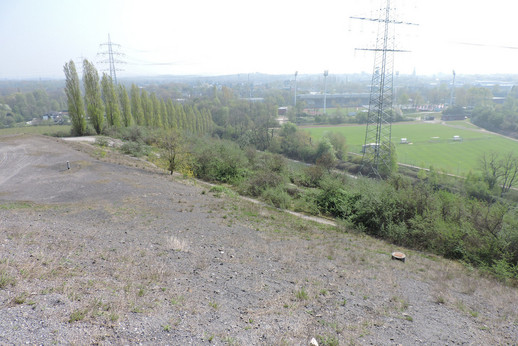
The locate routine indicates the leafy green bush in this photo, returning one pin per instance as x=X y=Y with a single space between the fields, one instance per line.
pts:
x=277 y=196
x=334 y=200
x=136 y=149
x=137 y=134
x=314 y=174
x=306 y=202
x=476 y=187
x=260 y=181
x=294 y=144
x=220 y=161
x=504 y=270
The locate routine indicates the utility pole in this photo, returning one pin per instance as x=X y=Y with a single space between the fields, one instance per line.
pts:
x=111 y=60
x=326 y=73
x=377 y=146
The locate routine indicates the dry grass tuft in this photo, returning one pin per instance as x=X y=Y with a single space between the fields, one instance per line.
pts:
x=176 y=244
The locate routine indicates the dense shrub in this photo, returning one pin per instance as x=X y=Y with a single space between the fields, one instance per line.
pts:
x=260 y=181
x=294 y=144
x=311 y=176
x=333 y=200
x=416 y=216
x=277 y=196
x=136 y=149
x=220 y=161
x=136 y=134
x=476 y=187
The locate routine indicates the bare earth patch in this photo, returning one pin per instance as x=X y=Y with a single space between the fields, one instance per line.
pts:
x=116 y=251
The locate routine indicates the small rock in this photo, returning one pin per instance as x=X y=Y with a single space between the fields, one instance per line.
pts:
x=313 y=342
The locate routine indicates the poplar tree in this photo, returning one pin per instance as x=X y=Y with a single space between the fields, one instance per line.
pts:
x=207 y=120
x=127 y=118
x=191 y=119
x=211 y=121
x=171 y=114
x=76 y=108
x=147 y=108
x=163 y=115
x=180 y=113
x=111 y=101
x=93 y=100
x=197 y=121
x=155 y=113
x=136 y=105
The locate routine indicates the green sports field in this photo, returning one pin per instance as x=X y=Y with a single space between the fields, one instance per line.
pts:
x=432 y=144
x=40 y=130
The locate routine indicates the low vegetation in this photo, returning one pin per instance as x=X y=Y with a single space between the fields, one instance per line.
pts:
x=223 y=139
x=50 y=130
x=465 y=221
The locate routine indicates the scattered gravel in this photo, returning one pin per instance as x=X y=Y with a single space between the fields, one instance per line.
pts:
x=115 y=252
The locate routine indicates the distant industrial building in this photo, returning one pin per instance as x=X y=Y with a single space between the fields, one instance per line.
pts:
x=253 y=99
x=333 y=100
x=282 y=111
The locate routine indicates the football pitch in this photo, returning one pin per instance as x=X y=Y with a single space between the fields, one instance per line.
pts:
x=432 y=144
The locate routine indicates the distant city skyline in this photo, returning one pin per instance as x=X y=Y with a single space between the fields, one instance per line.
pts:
x=202 y=37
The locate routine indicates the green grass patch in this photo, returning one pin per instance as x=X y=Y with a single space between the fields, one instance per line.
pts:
x=6 y=280
x=77 y=315
x=15 y=205
x=432 y=144
x=219 y=190
x=462 y=123
x=328 y=340
x=302 y=294
x=52 y=130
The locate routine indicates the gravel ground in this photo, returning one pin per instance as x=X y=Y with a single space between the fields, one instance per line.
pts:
x=114 y=251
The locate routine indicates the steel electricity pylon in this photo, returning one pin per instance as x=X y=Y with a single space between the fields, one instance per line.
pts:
x=111 y=51
x=377 y=146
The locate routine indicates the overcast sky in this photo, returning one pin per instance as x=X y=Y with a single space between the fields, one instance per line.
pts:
x=37 y=37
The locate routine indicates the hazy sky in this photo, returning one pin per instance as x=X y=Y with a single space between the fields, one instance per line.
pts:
x=213 y=37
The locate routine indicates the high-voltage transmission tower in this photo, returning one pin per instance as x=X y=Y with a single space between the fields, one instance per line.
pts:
x=377 y=146
x=111 y=51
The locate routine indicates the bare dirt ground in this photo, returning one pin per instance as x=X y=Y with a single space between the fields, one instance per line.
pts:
x=114 y=251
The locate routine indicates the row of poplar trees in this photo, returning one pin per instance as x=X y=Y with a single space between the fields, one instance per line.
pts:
x=104 y=103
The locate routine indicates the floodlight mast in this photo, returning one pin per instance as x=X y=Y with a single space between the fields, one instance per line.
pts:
x=376 y=150
x=326 y=73
x=452 y=89
x=295 y=87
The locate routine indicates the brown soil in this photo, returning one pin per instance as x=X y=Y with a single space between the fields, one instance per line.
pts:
x=114 y=251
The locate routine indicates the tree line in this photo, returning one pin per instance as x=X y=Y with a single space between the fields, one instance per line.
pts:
x=24 y=106
x=502 y=118
x=104 y=105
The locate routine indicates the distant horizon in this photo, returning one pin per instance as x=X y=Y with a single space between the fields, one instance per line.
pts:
x=141 y=76
x=208 y=38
